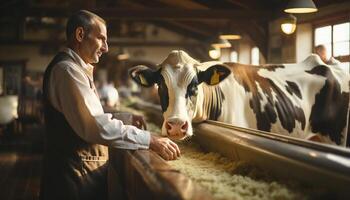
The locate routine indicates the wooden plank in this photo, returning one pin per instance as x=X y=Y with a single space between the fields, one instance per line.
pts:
x=147 y=176
x=147 y=13
x=110 y=42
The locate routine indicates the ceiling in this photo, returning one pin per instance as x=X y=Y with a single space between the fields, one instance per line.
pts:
x=199 y=20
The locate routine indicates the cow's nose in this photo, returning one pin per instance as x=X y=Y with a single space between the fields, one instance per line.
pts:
x=176 y=127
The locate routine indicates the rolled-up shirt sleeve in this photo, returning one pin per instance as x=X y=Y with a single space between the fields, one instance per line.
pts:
x=72 y=95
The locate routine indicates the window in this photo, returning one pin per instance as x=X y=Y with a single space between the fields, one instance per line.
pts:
x=254 y=55
x=234 y=56
x=336 y=38
x=323 y=36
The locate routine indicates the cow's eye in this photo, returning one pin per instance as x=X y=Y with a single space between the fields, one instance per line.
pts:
x=193 y=91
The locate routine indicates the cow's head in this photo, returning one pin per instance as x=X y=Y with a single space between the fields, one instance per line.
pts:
x=178 y=78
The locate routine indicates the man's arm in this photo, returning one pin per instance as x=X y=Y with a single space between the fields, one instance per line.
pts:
x=70 y=93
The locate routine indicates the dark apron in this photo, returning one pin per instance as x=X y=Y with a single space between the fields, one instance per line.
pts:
x=72 y=167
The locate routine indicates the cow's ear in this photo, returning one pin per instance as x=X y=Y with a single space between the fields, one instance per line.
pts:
x=144 y=76
x=214 y=74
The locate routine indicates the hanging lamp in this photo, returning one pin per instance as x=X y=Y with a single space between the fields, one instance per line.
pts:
x=214 y=53
x=300 y=6
x=289 y=24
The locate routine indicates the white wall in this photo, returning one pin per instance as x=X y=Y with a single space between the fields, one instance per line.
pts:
x=244 y=52
x=303 y=41
x=225 y=55
x=35 y=61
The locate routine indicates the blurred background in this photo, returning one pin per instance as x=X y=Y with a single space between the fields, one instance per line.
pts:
x=144 y=32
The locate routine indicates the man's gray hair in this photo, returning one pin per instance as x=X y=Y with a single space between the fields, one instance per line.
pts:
x=82 y=18
x=319 y=48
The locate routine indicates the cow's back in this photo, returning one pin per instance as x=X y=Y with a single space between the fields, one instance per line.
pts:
x=300 y=100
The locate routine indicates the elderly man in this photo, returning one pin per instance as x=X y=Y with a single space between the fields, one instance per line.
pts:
x=77 y=130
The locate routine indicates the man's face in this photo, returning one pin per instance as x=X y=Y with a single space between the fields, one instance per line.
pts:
x=94 y=43
x=323 y=55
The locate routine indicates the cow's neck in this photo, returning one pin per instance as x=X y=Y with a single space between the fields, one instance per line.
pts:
x=209 y=103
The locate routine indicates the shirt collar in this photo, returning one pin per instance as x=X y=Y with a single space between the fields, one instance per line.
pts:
x=88 y=68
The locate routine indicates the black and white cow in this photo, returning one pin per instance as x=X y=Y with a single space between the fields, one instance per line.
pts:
x=306 y=100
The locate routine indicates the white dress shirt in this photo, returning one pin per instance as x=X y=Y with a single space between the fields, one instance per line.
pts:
x=73 y=93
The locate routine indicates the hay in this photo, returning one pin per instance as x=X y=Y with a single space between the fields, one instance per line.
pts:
x=219 y=176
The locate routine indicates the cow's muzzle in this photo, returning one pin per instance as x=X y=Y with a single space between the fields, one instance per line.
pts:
x=176 y=128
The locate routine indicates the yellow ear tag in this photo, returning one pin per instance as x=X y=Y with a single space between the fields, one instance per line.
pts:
x=143 y=80
x=215 y=78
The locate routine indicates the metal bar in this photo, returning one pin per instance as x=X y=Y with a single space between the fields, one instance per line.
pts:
x=275 y=154
x=287 y=139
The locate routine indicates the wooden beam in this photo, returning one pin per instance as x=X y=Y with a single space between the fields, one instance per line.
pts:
x=197 y=30
x=147 y=13
x=183 y=4
x=182 y=30
x=111 y=43
x=246 y=4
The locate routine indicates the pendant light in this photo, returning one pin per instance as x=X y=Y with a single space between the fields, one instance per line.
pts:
x=289 y=24
x=214 y=53
x=300 y=6
x=220 y=43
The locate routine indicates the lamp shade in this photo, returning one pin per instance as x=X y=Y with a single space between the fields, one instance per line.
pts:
x=214 y=53
x=289 y=24
x=221 y=43
x=230 y=35
x=300 y=6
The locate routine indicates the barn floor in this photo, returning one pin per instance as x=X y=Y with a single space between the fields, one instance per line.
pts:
x=20 y=164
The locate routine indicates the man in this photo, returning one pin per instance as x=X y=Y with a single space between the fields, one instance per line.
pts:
x=77 y=130
x=321 y=51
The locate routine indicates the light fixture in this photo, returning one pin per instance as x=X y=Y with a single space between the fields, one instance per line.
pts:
x=214 y=53
x=300 y=6
x=221 y=43
x=289 y=24
x=230 y=35
x=229 y=32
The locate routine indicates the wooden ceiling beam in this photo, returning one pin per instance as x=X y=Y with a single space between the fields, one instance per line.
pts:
x=246 y=4
x=183 y=4
x=197 y=30
x=111 y=43
x=183 y=29
x=146 y=13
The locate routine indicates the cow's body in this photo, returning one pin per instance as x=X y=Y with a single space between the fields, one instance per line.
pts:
x=303 y=100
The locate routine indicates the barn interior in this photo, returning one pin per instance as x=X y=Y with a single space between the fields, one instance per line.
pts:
x=144 y=33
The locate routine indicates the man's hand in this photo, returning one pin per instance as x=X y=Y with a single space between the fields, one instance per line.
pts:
x=139 y=122
x=166 y=148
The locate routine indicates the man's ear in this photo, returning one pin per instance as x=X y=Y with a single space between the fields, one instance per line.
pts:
x=79 y=34
x=144 y=76
x=214 y=74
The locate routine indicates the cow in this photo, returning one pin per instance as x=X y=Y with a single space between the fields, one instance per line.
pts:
x=308 y=100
